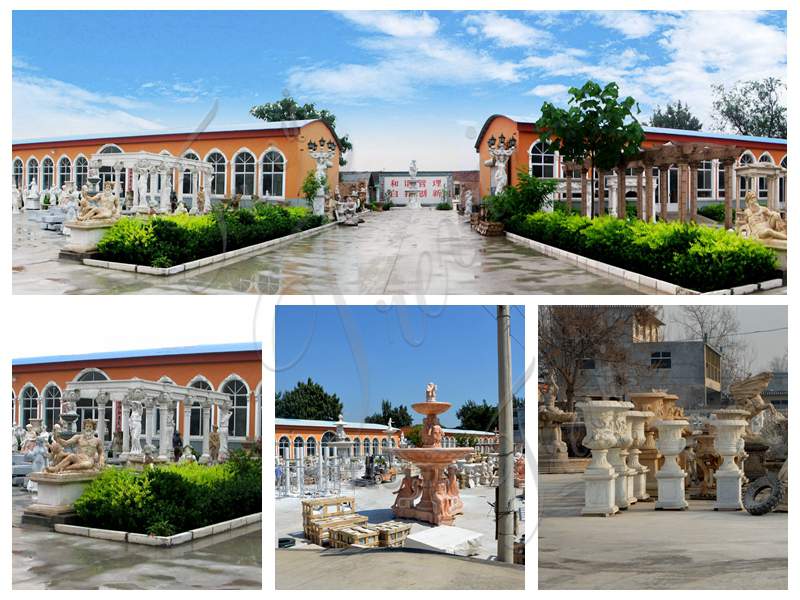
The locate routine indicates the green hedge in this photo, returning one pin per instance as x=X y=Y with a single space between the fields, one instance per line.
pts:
x=444 y=206
x=713 y=211
x=692 y=256
x=170 y=499
x=165 y=241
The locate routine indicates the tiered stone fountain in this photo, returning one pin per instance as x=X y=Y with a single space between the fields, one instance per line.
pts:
x=412 y=193
x=436 y=486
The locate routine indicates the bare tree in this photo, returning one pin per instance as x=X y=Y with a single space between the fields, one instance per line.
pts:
x=779 y=363
x=719 y=327
x=571 y=335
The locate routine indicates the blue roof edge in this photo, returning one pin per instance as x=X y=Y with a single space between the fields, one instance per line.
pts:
x=172 y=351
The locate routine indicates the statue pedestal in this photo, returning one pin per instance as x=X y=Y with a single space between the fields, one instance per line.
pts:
x=318 y=205
x=729 y=490
x=57 y=493
x=599 y=492
x=84 y=236
x=33 y=204
x=779 y=248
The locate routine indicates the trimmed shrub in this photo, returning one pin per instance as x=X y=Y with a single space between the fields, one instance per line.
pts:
x=692 y=256
x=166 y=500
x=444 y=206
x=164 y=241
x=715 y=212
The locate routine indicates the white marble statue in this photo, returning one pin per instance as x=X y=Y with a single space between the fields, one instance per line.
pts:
x=181 y=209
x=141 y=185
x=166 y=189
x=55 y=196
x=89 y=454
x=430 y=392
x=759 y=222
x=468 y=202
x=136 y=426
x=38 y=458
x=29 y=441
x=105 y=208
x=412 y=168
x=16 y=199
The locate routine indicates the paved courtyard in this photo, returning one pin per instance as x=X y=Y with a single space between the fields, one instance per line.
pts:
x=642 y=548
x=299 y=567
x=397 y=252
x=43 y=559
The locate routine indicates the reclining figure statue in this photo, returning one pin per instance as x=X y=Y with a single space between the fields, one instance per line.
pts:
x=89 y=454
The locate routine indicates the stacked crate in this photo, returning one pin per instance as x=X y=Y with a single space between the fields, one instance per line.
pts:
x=363 y=536
x=320 y=514
x=318 y=531
x=392 y=534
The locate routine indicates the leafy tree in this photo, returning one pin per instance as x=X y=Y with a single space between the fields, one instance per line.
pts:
x=287 y=109
x=597 y=126
x=479 y=417
x=399 y=415
x=675 y=116
x=312 y=184
x=751 y=108
x=414 y=436
x=530 y=195
x=308 y=400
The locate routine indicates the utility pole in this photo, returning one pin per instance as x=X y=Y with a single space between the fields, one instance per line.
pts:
x=504 y=510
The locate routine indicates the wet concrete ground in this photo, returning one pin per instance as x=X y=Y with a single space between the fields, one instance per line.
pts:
x=642 y=548
x=43 y=559
x=402 y=251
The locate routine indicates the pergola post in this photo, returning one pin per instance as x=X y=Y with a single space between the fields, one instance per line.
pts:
x=622 y=206
x=187 y=419
x=641 y=198
x=683 y=191
x=584 y=195
x=163 y=441
x=150 y=420
x=692 y=168
x=649 y=193
x=601 y=193
x=663 y=190
x=568 y=187
x=206 y=430
x=126 y=432
x=102 y=400
x=729 y=192
x=771 y=191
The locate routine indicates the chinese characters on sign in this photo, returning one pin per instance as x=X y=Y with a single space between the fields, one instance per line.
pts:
x=430 y=190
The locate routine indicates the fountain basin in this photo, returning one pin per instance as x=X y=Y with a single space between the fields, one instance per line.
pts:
x=431 y=408
x=431 y=456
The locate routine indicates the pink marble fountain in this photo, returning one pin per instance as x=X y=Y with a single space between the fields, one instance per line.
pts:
x=436 y=486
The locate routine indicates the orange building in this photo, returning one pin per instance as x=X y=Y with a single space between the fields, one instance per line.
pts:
x=269 y=160
x=532 y=158
x=311 y=435
x=233 y=369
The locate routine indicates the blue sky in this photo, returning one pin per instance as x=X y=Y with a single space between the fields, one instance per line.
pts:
x=403 y=85
x=367 y=353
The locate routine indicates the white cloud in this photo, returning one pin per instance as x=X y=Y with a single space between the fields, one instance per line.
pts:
x=395 y=24
x=505 y=31
x=631 y=24
x=549 y=90
x=44 y=107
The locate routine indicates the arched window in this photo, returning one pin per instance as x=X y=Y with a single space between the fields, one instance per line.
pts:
x=196 y=414
x=33 y=171
x=326 y=439
x=17 y=173
x=284 y=446
x=108 y=173
x=187 y=175
x=762 y=181
x=384 y=446
x=366 y=446
x=244 y=174
x=704 y=179
x=237 y=392
x=63 y=171
x=299 y=445
x=782 y=183
x=744 y=182
x=311 y=447
x=356 y=447
x=52 y=406
x=375 y=446
x=542 y=164
x=91 y=375
x=30 y=404
x=47 y=173
x=272 y=168
x=220 y=167
x=81 y=172
x=87 y=407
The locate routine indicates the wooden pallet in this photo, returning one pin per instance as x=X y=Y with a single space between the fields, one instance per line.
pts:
x=393 y=534
x=363 y=536
x=322 y=508
x=318 y=531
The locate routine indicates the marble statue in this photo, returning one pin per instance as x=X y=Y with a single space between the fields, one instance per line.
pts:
x=106 y=207
x=765 y=423
x=410 y=489
x=141 y=185
x=181 y=209
x=56 y=448
x=16 y=199
x=468 y=202
x=412 y=169
x=136 y=426
x=201 y=200
x=54 y=193
x=89 y=454
x=759 y=222
x=38 y=458
x=33 y=190
x=29 y=442
x=430 y=392
x=213 y=445
x=188 y=455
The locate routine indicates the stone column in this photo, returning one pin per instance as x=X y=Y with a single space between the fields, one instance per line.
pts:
x=206 y=430
x=153 y=185
x=102 y=399
x=584 y=193
x=224 y=415
x=117 y=186
x=187 y=420
x=622 y=206
x=150 y=420
x=663 y=190
x=165 y=407
x=126 y=430
x=729 y=192
x=772 y=195
x=164 y=193
x=195 y=182
x=692 y=169
x=641 y=198
x=671 y=478
x=135 y=187
x=40 y=408
x=601 y=193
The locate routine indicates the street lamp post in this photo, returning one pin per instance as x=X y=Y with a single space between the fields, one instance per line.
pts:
x=322 y=152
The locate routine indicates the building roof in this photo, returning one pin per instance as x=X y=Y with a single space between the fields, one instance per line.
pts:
x=174 y=351
x=246 y=130
x=468 y=432
x=654 y=130
x=329 y=424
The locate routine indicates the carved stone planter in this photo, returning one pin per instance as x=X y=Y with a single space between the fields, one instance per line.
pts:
x=671 y=478
x=489 y=228
x=637 y=420
x=599 y=476
x=618 y=457
x=728 y=443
